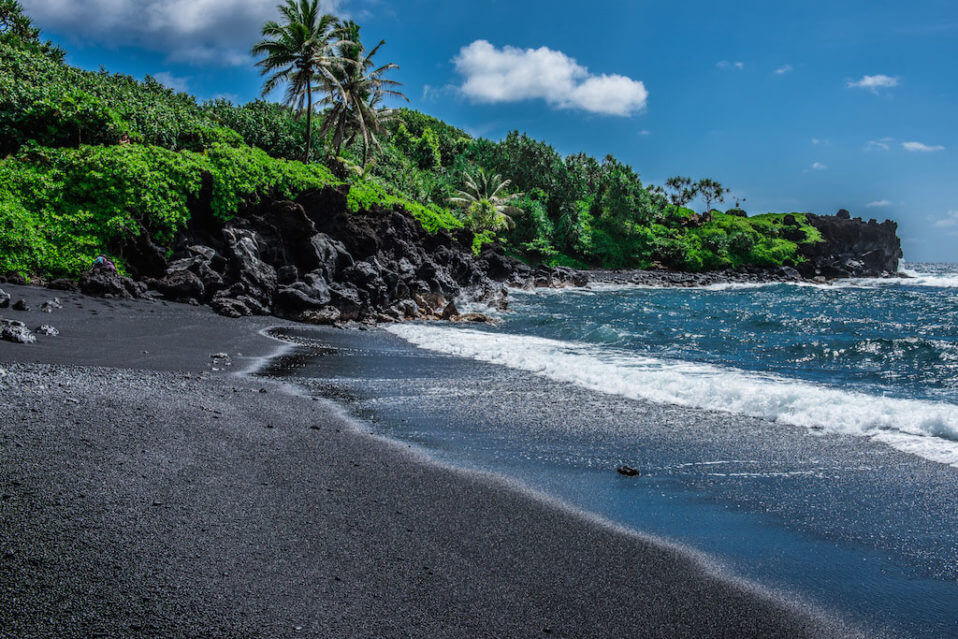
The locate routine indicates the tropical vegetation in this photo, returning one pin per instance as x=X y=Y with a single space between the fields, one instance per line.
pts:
x=90 y=158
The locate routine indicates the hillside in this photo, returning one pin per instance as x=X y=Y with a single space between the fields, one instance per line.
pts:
x=94 y=159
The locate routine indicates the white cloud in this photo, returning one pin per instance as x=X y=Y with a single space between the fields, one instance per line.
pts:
x=190 y=31
x=174 y=82
x=878 y=204
x=511 y=74
x=821 y=142
x=782 y=70
x=725 y=64
x=645 y=132
x=884 y=144
x=818 y=166
x=918 y=147
x=950 y=219
x=874 y=82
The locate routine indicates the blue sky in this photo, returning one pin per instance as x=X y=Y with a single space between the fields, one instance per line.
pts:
x=796 y=105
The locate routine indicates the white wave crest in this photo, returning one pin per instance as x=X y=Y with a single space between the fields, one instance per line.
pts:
x=923 y=428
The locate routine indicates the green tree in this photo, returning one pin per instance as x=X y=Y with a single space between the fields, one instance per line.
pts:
x=711 y=191
x=486 y=205
x=299 y=53
x=14 y=22
x=17 y=28
x=357 y=93
x=680 y=189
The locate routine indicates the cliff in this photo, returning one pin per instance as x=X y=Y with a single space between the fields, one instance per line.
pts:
x=851 y=247
x=312 y=260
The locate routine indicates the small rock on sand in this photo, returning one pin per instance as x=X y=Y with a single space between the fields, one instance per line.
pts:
x=628 y=471
x=50 y=305
x=17 y=332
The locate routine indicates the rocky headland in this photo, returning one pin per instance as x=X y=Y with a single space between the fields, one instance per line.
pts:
x=312 y=260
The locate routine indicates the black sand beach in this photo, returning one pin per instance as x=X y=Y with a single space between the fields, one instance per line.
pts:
x=146 y=495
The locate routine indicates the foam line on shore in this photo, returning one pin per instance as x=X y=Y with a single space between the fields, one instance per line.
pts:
x=924 y=428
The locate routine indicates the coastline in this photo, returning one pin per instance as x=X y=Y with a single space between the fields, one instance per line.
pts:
x=200 y=505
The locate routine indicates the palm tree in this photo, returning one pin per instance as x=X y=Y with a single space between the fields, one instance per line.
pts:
x=356 y=96
x=299 y=53
x=485 y=202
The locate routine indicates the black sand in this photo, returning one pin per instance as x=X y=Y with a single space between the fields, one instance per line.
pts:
x=143 y=497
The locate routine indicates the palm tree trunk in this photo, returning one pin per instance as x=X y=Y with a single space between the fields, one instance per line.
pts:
x=309 y=121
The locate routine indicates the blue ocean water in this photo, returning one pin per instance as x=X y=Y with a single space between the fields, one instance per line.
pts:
x=875 y=358
x=803 y=436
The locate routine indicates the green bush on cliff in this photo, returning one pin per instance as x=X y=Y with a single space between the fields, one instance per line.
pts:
x=60 y=208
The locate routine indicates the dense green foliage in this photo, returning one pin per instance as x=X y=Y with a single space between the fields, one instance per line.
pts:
x=60 y=208
x=69 y=189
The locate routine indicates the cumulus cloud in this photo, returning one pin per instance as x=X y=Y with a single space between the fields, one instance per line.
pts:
x=818 y=166
x=918 y=147
x=950 y=219
x=782 y=70
x=879 y=204
x=726 y=64
x=189 y=31
x=511 y=74
x=874 y=82
x=884 y=144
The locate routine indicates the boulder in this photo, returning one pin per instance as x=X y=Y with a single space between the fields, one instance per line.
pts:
x=63 y=284
x=102 y=281
x=292 y=300
x=449 y=312
x=16 y=332
x=51 y=305
x=323 y=315
x=4 y=299
x=180 y=284
x=230 y=307
x=20 y=305
x=477 y=318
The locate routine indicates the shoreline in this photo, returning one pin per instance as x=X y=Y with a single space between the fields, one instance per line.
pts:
x=707 y=563
x=560 y=569
x=789 y=506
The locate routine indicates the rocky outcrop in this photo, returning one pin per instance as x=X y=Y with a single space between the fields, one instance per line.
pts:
x=103 y=281
x=851 y=248
x=312 y=260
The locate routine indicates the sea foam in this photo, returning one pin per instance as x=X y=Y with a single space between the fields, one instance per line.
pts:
x=925 y=428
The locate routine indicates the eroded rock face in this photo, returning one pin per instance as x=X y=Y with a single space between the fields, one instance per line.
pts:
x=311 y=260
x=852 y=248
